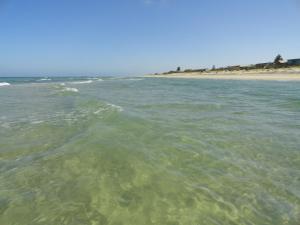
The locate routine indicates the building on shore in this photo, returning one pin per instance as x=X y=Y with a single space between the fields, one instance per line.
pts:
x=293 y=62
x=278 y=62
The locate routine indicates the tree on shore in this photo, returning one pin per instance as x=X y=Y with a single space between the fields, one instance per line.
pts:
x=178 y=69
x=278 y=60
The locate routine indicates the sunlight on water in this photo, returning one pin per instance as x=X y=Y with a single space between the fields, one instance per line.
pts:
x=149 y=151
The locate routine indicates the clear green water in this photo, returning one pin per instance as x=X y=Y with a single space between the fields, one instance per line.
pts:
x=149 y=151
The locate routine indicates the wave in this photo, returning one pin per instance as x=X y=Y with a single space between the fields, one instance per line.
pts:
x=4 y=84
x=117 y=107
x=61 y=87
x=45 y=79
x=94 y=78
x=109 y=106
x=70 y=89
x=82 y=82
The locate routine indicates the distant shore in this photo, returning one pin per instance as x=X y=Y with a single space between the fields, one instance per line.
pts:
x=284 y=74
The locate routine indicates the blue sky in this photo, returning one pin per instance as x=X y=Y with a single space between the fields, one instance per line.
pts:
x=130 y=37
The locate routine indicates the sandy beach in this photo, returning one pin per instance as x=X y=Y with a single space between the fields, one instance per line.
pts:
x=280 y=74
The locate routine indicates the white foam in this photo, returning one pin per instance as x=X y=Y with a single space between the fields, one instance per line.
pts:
x=99 y=111
x=82 y=82
x=70 y=89
x=108 y=107
x=117 y=107
x=2 y=84
x=45 y=79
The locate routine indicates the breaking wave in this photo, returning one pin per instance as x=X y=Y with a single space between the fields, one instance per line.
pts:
x=117 y=107
x=70 y=89
x=4 y=84
x=82 y=82
x=109 y=106
x=44 y=79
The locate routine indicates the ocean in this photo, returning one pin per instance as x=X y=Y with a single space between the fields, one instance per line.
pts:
x=134 y=150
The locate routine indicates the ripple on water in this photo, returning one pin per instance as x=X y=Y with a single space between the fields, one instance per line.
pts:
x=177 y=154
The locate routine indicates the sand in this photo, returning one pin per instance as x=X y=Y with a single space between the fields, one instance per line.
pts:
x=281 y=75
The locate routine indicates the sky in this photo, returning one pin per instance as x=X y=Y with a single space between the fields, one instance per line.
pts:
x=134 y=37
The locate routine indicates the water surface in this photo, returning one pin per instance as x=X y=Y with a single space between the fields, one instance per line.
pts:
x=126 y=151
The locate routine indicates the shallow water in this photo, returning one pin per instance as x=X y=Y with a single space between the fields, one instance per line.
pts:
x=125 y=151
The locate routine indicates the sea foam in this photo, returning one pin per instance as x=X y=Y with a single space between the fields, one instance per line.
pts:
x=45 y=79
x=108 y=107
x=82 y=82
x=4 y=84
x=70 y=89
x=117 y=107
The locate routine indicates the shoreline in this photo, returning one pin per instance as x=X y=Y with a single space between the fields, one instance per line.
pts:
x=280 y=75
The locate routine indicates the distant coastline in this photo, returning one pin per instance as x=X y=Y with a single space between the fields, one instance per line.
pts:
x=277 y=70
